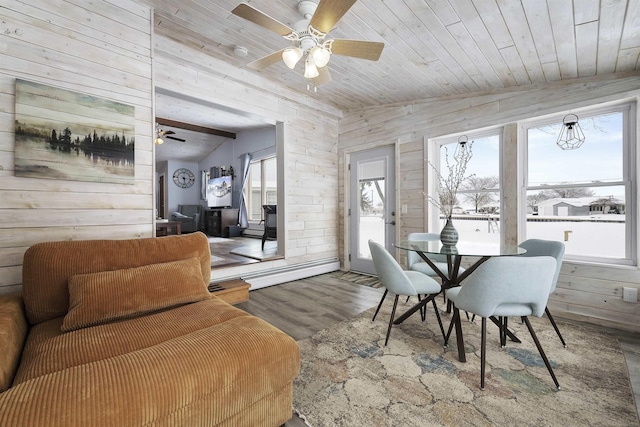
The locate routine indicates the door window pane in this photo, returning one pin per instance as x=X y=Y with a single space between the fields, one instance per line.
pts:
x=372 y=205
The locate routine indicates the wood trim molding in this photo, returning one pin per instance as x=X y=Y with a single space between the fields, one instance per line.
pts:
x=195 y=128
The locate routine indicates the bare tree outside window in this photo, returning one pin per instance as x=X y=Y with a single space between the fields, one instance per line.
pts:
x=480 y=191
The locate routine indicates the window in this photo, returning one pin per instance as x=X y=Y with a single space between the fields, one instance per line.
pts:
x=584 y=198
x=476 y=214
x=261 y=188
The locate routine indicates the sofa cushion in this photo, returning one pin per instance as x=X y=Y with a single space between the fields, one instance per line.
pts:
x=49 y=350
x=13 y=333
x=197 y=379
x=97 y=298
x=48 y=266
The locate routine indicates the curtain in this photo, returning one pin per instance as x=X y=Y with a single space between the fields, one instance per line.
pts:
x=203 y=188
x=243 y=219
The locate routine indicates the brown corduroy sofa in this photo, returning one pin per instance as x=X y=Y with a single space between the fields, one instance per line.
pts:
x=125 y=333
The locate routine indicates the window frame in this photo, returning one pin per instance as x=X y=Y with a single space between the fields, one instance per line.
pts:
x=629 y=176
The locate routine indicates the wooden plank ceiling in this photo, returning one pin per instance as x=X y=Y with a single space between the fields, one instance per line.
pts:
x=433 y=48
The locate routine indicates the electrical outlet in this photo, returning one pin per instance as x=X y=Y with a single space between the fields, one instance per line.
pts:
x=404 y=209
x=630 y=295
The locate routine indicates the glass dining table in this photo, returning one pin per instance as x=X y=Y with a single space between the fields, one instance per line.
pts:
x=477 y=252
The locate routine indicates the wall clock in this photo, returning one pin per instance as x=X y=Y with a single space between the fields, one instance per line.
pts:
x=183 y=178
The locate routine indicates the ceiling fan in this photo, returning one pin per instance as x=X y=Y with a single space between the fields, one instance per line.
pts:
x=309 y=38
x=160 y=134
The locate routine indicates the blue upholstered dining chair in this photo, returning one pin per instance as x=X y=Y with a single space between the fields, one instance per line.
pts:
x=507 y=287
x=538 y=247
x=415 y=263
x=401 y=282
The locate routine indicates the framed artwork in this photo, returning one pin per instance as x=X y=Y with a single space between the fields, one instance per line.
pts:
x=67 y=135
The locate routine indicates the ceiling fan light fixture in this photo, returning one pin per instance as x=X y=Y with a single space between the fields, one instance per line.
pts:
x=291 y=56
x=310 y=69
x=320 y=56
x=159 y=141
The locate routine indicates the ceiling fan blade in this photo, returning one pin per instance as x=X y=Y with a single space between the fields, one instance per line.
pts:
x=266 y=61
x=357 y=48
x=252 y=14
x=168 y=132
x=177 y=139
x=328 y=13
x=323 y=77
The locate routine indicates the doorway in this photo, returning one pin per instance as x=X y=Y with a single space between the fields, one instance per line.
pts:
x=261 y=136
x=372 y=206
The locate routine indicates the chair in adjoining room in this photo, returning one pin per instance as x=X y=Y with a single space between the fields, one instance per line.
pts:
x=506 y=287
x=538 y=247
x=270 y=223
x=401 y=282
x=189 y=217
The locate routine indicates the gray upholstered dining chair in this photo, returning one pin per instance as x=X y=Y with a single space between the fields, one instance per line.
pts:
x=401 y=282
x=415 y=263
x=506 y=287
x=538 y=247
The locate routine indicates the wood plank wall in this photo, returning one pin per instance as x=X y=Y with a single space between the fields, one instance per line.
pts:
x=585 y=291
x=44 y=44
x=98 y=48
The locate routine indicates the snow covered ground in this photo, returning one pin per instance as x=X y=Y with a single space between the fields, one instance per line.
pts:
x=587 y=236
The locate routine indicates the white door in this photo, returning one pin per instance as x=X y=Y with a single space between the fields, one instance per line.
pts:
x=372 y=205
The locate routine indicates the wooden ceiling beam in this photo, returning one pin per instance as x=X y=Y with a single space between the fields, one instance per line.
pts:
x=195 y=128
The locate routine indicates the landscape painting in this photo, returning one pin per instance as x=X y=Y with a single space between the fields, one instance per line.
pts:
x=67 y=135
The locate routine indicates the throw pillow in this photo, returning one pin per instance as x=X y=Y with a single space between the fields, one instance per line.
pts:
x=106 y=296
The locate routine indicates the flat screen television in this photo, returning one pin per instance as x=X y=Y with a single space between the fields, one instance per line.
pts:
x=219 y=192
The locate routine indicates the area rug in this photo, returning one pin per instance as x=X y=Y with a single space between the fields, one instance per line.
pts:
x=359 y=278
x=348 y=377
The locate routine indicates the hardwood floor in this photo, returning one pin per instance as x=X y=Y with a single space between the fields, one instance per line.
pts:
x=249 y=250
x=304 y=307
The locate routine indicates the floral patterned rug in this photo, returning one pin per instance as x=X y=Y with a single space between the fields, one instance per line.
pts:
x=348 y=377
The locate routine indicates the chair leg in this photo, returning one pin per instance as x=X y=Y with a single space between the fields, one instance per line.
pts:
x=503 y=331
x=435 y=308
x=541 y=351
x=451 y=325
x=483 y=351
x=380 y=305
x=553 y=323
x=423 y=309
x=393 y=313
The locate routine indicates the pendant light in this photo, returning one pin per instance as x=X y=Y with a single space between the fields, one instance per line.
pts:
x=571 y=136
x=463 y=148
